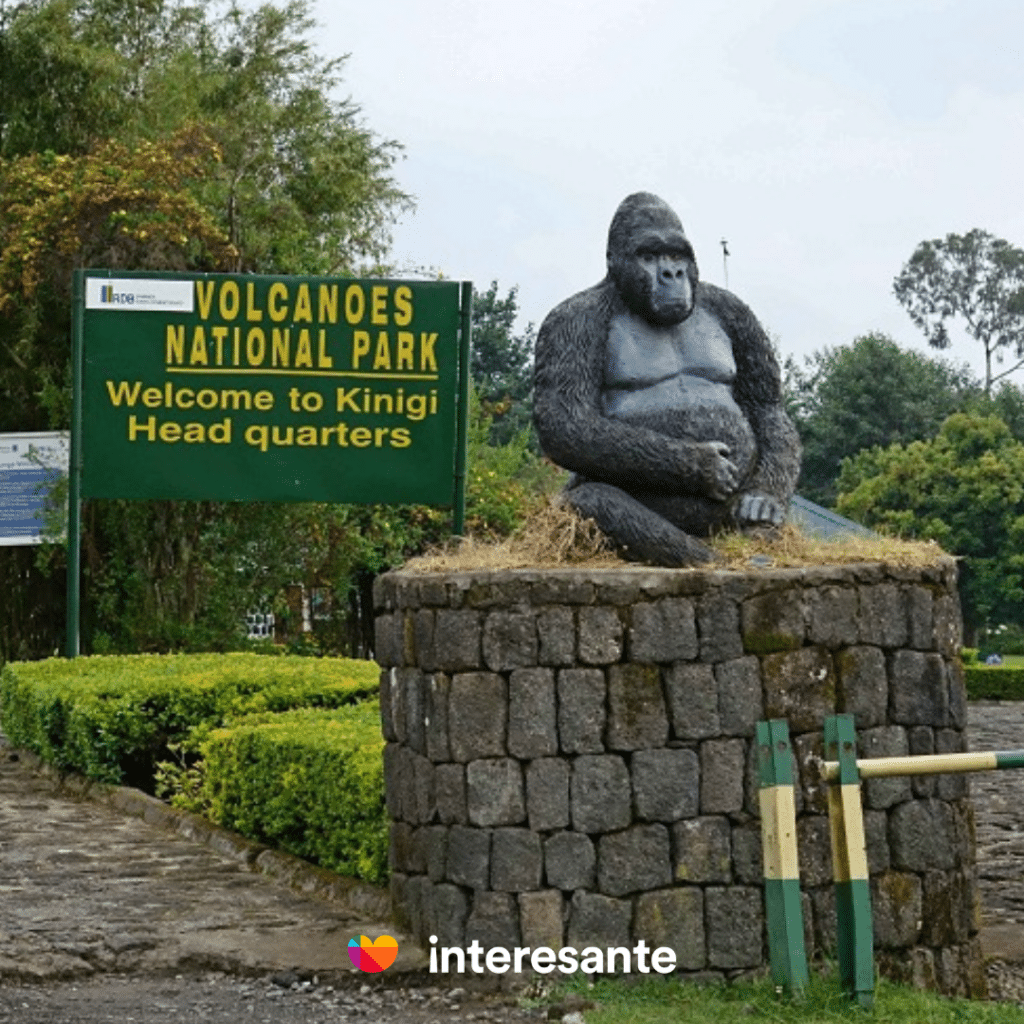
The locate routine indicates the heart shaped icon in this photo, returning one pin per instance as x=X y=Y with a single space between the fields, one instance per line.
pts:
x=370 y=956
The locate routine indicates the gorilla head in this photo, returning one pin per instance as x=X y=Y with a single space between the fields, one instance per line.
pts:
x=651 y=261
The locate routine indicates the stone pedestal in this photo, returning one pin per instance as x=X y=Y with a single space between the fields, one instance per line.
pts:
x=570 y=757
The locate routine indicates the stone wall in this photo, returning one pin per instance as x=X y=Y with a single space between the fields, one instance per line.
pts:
x=570 y=757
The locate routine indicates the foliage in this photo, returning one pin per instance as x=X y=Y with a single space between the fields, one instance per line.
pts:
x=309 y=782
x=866 y=394
x=994 y=682
x=963 y=489
x=502 y=364
x=975 y=278
x=671 y=1001
x=112 y=718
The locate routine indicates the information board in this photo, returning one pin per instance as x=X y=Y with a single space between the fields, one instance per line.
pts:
x=30 y=464
x=246 y=387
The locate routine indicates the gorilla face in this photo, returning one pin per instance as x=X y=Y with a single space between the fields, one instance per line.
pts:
x=651 y=261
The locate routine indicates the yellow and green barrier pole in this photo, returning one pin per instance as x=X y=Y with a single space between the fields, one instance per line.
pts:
x=855 y=937
x=783 y=910
x=929 y=764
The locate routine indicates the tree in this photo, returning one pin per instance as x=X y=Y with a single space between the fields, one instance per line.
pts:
x=501 y=364
x=866 y=394
x=974 y=277
x=964 y=489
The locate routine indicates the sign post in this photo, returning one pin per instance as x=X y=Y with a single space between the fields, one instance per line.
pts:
x=258 y=388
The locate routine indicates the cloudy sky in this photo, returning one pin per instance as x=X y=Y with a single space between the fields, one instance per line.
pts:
x=822 y=138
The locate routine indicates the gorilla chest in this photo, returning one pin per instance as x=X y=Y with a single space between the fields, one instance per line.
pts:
x=649 y=369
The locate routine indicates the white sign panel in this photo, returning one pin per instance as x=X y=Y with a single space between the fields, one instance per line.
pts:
x=29 y=465
x=137 y=294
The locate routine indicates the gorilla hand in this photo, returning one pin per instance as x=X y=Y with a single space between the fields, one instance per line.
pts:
x=759 y=510
x=719 y=476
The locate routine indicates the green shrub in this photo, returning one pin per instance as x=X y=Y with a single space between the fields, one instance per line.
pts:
x=310 y=782
x=112 y=718
x=994 y=682
x=969 y=655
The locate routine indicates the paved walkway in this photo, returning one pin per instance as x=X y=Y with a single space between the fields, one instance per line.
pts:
x=999 y=816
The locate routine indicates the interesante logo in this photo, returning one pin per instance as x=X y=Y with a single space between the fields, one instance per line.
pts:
x=370 y=956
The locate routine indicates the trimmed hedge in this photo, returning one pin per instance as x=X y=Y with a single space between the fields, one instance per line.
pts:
x=112 y=717
x=310 y=782
x=994 y=682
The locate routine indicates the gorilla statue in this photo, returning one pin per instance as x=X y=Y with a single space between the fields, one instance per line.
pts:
x=662 y=394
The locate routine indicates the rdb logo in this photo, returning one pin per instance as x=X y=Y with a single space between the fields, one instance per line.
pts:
x=108 y=295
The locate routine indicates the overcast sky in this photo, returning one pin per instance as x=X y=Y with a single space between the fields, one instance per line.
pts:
x=824 y=139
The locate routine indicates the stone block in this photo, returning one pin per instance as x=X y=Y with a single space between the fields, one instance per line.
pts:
x=601 y=921
x=947 y=624
x=423 y=639
x=547 y=794
x=637 y=717
x=692 y=701
x=920 y=617
x=832 y=616
x=718 y=627
x=734 y=919
x=702 y=850
x=581 y=710
x=421 y=772
x=450 y=793
x=556 y=634
x=570 y=861
x=923 y=836
x=673 y=918
x=740 y=699
x=863 y=685
x=663 y=631
x=634 y=860
x=532 y=725
x=516 y=860
x=815 y=845
x=600 y=636
x=773 y=622
x=436 y=722
x=403 y=852
x=435 y=844
x=600 y=793
x=469 y=856
x=722 y=767
x=918 y=689
x=800 y=686
x=883 y=615
x=494 y=792
x=876 y=838
x=541 y=919
x=387 y=646
x=666 y=784
x=954 y=786
x=418 y=893
x=957 y=694
x=885 y=741
x=896 y=909
x=457 y=640
x=747 y=854
x=494 y=920
x=447 y=915
x=510 y=640
x=393 y=762
x=921 y=740
x=948 y=908
x=477 y=716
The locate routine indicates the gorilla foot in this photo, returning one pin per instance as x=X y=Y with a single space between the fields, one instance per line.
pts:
x=641 y=533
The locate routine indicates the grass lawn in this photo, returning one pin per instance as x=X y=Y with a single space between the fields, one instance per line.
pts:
x=661 y=1001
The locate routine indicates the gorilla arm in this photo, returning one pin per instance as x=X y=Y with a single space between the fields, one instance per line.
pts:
x=766 y=493
x=574 y=433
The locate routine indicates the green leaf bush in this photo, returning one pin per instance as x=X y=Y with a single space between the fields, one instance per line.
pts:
x=113 y=718
x=310 y=782
x=994 y=682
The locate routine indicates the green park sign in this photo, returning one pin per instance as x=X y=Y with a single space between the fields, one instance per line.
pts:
x=242 y=387
x=251 y=388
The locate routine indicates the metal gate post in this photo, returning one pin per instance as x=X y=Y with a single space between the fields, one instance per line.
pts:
x=850 y=864
x=783 y=909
